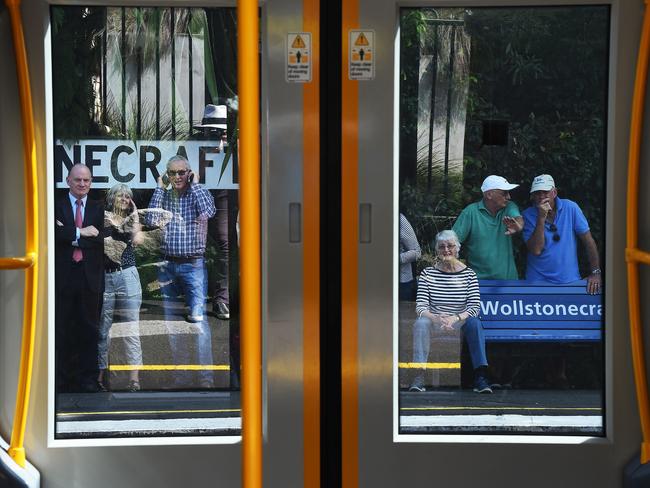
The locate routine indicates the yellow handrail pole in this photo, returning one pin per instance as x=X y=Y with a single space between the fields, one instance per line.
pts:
x=17 y=263
x=632 y=253
x=249 y=194
x=636 y=255
x=16 y=449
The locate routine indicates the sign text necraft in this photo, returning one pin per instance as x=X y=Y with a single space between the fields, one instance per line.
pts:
x=140 y=163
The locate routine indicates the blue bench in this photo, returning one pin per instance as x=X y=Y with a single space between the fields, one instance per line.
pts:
x=524 y=311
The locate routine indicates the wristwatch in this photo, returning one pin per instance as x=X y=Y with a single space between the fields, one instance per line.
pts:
x=595 y=271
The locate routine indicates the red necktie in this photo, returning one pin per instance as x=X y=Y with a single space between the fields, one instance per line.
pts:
x=77 y=254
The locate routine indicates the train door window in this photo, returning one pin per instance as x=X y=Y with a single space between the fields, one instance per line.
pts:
x=144 y=213
x=502 y=116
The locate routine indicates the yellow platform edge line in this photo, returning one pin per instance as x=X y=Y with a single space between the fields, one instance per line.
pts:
x=146 y=412
x=169 y=367
x=429 y=365
x=582 y=409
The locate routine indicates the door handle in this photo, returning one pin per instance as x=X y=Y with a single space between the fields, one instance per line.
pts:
x=365 y=223
x=295 y=222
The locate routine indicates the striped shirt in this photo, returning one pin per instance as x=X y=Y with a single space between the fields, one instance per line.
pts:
x=446 y=293
x=409 y=250
x=185 y=235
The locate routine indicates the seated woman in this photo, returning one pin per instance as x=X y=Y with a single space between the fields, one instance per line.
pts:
x=448 y=298
x=123 y=292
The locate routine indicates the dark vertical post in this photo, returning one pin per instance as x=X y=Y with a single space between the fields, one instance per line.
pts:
x=434 y=76
x=104 y=66
x=123 y=57
x=191 y=79
x=173 y=39
x=452 y=53
x=138 y=61
x=158 y=17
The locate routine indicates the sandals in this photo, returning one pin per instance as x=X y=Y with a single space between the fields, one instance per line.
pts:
x=133 y=386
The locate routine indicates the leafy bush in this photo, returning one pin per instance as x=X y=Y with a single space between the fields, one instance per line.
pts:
x=543 y=70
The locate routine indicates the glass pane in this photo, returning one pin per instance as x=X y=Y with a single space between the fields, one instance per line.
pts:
x=145 y=210
x=501 y=219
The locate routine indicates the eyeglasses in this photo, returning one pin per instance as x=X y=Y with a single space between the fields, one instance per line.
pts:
x=553 y=228
x=446 y=246
x=181 y=172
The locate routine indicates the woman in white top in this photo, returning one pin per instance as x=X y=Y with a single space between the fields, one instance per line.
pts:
x=448 y=297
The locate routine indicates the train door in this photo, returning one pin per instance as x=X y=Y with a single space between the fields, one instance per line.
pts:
x=403 y=71
x=106 y=79
x=435 y=99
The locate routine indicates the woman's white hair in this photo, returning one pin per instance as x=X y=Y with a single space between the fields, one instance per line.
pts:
x=446 y=236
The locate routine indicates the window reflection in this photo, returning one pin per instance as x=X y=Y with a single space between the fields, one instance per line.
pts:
x=502 y=163
x=145 y=220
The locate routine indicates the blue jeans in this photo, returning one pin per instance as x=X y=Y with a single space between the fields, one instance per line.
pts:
x=472 y=332
x=122 y=300
x=189 y=280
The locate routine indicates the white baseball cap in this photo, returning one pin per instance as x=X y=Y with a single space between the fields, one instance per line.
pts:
x=542 y=183
x=494 y=182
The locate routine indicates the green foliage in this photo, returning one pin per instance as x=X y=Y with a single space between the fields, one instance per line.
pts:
x=76 y=55
x=544 y=71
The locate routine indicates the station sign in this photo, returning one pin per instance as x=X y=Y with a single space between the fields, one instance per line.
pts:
x=539 y=302
x=139 y=163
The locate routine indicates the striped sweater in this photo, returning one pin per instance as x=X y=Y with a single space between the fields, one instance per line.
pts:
x=447 y=293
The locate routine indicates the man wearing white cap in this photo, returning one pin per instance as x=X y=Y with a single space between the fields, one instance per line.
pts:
x=485 y=229
x=552 y=227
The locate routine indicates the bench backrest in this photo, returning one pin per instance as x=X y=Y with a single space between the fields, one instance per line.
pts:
x=515 y=311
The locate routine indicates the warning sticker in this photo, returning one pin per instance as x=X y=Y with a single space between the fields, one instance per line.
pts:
x=361 y=60
x=298 y=57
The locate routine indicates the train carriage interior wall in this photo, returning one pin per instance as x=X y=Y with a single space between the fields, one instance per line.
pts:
x=358 y=243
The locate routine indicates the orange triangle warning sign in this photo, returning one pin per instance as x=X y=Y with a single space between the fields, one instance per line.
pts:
x=362 y=40
x=298 y=43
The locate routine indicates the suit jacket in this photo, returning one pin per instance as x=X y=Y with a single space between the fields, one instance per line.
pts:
x=92 y=247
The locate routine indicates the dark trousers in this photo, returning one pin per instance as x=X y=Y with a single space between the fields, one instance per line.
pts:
x=220 y=221
x=77 y=324
x=407 y=290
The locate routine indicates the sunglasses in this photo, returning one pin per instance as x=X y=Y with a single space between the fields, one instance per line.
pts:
x=556 y=236
x=181 y=172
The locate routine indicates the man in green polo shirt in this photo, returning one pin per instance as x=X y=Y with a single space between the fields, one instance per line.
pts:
x=485 y=229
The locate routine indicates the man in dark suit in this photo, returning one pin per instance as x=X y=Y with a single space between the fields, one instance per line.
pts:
x=79 y=283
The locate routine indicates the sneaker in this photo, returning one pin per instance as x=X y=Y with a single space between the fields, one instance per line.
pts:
x=195 y=318
x=418 y=384
x=221 y=310
x=481 y=385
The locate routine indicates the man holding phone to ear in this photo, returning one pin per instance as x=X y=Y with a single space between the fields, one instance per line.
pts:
x=183 y=270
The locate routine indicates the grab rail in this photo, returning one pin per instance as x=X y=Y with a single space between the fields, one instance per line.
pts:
x=29 y=262
x=633 y=255
x=251 y=309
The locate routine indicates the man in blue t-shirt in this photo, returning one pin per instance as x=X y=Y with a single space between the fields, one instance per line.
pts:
x=552 y=227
